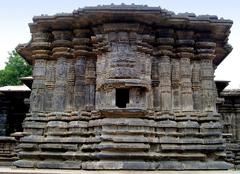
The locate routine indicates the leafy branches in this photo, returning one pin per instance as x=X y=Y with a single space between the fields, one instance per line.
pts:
x=15 y=68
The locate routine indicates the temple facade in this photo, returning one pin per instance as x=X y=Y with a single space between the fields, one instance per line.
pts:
x=124 y=87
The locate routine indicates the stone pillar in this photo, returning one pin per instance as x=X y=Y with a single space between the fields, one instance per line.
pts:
x=155 y=84
x=205 y=52
x=165 y=47
x=70 y=85
x=185 y=51
x=79 y=87
x=176 y=99
x=81 y=41
x=50 y=85
x=38 y=86
x=35 y=123
x=61 y=51
x=99 y=44
x=165 y=83
x=90 y=83
x=196 y=85
x=41 y=51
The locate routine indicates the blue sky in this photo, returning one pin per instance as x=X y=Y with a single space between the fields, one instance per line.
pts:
x=16 y=14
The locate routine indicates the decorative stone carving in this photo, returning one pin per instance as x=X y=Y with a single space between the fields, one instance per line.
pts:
x=129 y=88
x=79 y=88
x=50 y=84
x=230 y=113
x=38 y=86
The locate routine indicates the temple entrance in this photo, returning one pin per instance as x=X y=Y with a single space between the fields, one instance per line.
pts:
x=122 y=97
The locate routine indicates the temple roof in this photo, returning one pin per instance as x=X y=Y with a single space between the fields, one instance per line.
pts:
x=231 y=93
x=19 y=88
x=27 y=81
x=221 y=85
x=218 y=28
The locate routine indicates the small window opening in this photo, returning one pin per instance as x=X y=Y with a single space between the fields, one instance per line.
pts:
x=122 y=97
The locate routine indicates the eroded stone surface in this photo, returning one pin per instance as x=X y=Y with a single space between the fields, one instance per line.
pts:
x=126 y=89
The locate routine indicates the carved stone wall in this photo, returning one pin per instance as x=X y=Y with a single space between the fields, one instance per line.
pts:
x=158 y=66
x=230 y=111
x=125 y=62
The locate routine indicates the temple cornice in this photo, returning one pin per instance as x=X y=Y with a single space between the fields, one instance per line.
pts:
x=130 y=18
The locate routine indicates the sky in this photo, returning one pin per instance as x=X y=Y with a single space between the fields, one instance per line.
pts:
x=16 y=14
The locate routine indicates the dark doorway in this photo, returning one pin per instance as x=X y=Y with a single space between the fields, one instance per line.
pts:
x=122 y=97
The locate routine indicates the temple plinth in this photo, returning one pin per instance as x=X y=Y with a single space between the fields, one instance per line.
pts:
x=124 y=87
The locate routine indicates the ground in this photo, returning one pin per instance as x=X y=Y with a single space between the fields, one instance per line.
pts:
x=8 y=170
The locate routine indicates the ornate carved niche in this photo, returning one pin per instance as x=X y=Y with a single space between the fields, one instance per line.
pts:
x=123 y=66
x=123 y=61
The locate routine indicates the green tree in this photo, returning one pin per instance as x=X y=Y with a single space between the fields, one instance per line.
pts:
x=15 y=68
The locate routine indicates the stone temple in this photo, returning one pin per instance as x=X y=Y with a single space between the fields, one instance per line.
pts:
x=124 y=87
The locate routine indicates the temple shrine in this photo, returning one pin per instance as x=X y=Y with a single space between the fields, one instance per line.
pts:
x=124 y=87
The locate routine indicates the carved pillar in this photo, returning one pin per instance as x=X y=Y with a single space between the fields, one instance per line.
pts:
x=79 y=87
x=70 y=85
x=164 y=52
x=81 y=42
x=40 y=46
x=155 y=84
x=146 y=59
x=196 y=85
x=38 y=86
x=50 y=85
x=206 y=52
x=185 y=51
x=105 y=97
x=61 y=51
x=165 y=82
x=176 y=99
x=90 y=83
x=35 y=123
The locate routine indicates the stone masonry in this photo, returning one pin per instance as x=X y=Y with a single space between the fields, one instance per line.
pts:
x=230 y=111
x=124 y=87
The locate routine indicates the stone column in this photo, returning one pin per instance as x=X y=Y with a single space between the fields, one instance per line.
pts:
x=70 y=85
x=176 y=99
x=50 y=85
x=205 y=52
x=155 y=84
x=90 y=81
x=196 y=85
x=41 y=50
x=185 y=51
x=79 y=87
x=35 y=123
x=81 y=41
x=61 y=51
x=165 y=53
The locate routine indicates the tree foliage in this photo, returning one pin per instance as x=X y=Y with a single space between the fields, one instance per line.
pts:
x=15 y=68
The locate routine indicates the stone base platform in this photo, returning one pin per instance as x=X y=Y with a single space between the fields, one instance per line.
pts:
x=8 y=170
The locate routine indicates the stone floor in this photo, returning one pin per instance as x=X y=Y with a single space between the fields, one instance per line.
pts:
x=7 y=170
